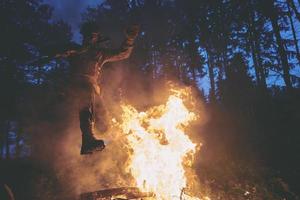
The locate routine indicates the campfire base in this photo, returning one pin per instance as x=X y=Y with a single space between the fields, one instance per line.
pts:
x=122 y=193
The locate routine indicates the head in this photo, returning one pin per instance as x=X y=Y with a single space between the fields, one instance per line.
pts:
x=91 y=35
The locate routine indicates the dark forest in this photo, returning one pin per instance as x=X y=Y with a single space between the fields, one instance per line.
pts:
x=240 y=59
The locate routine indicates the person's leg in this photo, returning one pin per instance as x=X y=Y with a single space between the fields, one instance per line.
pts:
x=101 y=122
x=87 y=124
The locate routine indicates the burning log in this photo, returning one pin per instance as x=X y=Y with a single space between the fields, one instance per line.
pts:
x=116 y=193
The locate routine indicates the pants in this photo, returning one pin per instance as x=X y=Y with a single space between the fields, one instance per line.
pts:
x=88 y=103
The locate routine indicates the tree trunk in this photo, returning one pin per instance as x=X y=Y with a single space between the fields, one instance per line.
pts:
x=294 y=32
x=6 y=132
x=194 y=54
x=281 y=51
x=211 y=77
x=254 y=58
x=18 y=148
x=225 y=64
x=255 y=64
x=2 y=133
x=255 y=50
x=261 y=68
x=293 y=6
x=252 y=43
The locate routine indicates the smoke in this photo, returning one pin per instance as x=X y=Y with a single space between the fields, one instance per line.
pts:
x=60 y=141
x=107 y=168
x=102 y=169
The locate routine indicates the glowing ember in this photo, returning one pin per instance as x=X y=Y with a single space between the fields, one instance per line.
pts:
x=159 y=147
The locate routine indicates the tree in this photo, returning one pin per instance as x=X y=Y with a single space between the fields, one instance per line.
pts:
x=291 y=4
x=27 y=34
x=272 y=12
x=290 y=15
x=255 y=34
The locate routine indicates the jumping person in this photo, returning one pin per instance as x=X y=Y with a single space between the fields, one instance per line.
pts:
x=86 y=65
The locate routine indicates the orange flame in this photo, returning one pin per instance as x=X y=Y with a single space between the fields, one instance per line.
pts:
x=159 y=148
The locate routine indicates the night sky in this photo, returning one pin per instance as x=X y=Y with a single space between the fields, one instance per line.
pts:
x=70 y=11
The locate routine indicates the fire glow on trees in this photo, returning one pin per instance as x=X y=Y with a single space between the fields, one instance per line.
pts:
x=159 y=148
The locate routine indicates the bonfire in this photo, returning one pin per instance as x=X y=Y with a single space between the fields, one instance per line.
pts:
x=159 y=151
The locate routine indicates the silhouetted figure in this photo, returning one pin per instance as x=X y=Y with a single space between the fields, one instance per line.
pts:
x=86 y=66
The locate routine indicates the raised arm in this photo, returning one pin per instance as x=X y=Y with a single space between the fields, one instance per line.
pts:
x=67 y=54
x=125 y=50
x=46 y=59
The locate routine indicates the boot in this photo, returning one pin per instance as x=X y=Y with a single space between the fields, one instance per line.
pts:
x=90 y=143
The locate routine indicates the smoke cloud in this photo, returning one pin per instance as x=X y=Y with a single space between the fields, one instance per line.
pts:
x=61 y=141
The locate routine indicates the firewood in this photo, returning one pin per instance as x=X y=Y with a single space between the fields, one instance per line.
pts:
x=116 y=193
